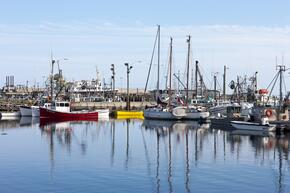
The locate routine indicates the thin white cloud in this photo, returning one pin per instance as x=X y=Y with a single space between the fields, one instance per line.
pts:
x=244 y=48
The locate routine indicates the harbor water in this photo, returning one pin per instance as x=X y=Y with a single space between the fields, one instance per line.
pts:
x=134 y=155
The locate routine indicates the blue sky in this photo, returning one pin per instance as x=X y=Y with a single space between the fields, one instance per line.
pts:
x=245 y=35
x=197 y=12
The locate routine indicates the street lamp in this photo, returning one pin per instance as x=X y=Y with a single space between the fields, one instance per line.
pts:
x=128 y=96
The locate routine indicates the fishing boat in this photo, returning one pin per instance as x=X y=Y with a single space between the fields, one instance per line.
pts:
x=195 y=113
x=28 y=111
x=226 y=109
x=263 y=126
x=276 y=111
x=61 y=111
x=77 y=115
x=35 y=109
x=25 y=111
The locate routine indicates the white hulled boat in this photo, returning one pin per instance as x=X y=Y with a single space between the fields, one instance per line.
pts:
x=60 y=110
x=35 y=109
x=263 y=126
x=161 y=113
x=174 y=111
x=9 y=115
x=25 y=111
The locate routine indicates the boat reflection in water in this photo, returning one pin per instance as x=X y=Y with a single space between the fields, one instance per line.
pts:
x=201 y=144
x=161 y=156
x=177 y=134
x=29 y=121
x=19 y=122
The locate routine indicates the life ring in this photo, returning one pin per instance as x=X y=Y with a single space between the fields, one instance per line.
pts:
x=269 y=113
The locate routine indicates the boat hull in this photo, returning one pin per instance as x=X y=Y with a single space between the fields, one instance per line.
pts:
x=162 y=115
x=25 y=111
x=67 y=116
x=242 y=125
x=103 y=113
x=10 y=114
x=196 y=115
x=178 y=113
x=35 y=111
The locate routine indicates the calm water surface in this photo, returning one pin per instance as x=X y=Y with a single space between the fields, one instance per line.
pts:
x=139 y=156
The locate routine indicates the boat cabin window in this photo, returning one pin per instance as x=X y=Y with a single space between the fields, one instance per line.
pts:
x=47 y=105
x=233 y=109
x=62 y=104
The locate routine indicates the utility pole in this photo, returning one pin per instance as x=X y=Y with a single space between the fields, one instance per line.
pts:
x=113 y=81
x=128 y=96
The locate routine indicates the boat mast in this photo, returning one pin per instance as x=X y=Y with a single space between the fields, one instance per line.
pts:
x=224 y=83
x=214 y=94
x=170 y=72
x=157 y=37
x=51 y=78
x=158 y=64
x=281 y=70
x=187 y=76
x=196 y=80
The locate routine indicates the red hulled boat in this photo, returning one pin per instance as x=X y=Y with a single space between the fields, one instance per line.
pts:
x=78 y=115
x=61 y=111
